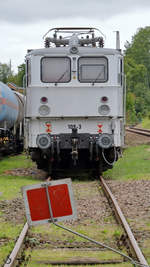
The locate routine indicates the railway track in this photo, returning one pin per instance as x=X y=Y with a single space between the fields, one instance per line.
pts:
x=135 y=257
x=119 y=215
x=144 y=132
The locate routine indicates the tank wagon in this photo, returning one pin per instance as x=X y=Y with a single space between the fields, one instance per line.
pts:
x=75 y=101
x=11 y=120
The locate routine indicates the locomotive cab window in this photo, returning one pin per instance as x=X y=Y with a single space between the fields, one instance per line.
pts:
x=93 y=69
x=55 y=69
x=28 y=68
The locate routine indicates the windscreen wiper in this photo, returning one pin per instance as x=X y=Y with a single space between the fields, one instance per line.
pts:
x=97 y=77
x=62 y=76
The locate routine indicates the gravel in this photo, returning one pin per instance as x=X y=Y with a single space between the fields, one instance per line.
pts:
x=133 y=198
x=93 y=207
x=133 y=139
x=13 y=210
x=33 y=171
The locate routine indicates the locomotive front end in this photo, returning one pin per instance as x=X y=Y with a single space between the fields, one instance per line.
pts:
x=74 y=102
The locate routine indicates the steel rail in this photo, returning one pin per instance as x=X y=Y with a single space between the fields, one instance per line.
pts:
x=144 y=132
x=140 y=129
x=124 y=223
x=12 y=257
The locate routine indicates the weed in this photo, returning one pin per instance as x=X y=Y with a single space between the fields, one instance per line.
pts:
x=117 y=233
x=109 y=219
x=32 y=241
x=71 y=240
x=105 y=231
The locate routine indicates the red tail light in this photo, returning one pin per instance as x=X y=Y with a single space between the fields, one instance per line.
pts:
x=104 y=99
x=44 y=99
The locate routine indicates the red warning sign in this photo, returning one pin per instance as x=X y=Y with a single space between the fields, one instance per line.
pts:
x=61 y=201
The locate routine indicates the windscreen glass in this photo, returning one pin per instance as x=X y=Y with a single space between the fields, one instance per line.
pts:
x=93 y=69
x=55 y=69
x=28 y=72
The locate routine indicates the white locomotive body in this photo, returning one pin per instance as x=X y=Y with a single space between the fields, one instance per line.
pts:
x=75 y=102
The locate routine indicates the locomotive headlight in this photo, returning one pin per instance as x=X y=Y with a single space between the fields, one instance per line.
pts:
x=104 y=110
x=44 y=110
x=105 y=140
x=43 y=141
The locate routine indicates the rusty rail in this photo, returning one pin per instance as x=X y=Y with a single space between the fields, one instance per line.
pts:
x=12 y=257
x=124 y=223
x=140 y=131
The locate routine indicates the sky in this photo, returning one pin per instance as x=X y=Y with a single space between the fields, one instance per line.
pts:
x=24 y=22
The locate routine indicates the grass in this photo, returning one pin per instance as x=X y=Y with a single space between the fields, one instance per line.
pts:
x=145 y=123
x=8 y=232
x=14 y=162
x=105 y=234
x=64 y=254
x=135 y=164
x=10 y=187
x=5 y=250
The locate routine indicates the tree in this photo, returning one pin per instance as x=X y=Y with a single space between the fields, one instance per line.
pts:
x=130 y=104
x=137 y=69
x=5 y=72
x=21 y=74
x=6 y=75
x=139 y=49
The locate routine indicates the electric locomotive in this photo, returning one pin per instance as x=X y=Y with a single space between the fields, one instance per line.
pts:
x=75 y=101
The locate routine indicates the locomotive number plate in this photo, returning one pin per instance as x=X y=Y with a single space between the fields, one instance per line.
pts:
x=73 y=126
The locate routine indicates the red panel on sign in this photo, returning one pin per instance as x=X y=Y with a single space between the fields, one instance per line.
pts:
x=38 y=204
x=59 y=198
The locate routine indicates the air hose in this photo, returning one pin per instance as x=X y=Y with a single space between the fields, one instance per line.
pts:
x=115 y=157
